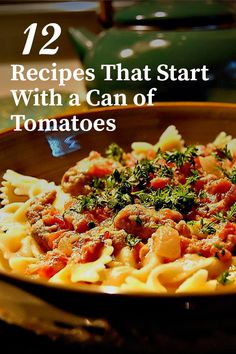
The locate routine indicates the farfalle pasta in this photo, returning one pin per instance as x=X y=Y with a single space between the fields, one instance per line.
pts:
x=161 y=218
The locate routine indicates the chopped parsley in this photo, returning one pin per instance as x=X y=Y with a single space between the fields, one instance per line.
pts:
x=141 y=173
x=202 y=194
x=191 y=222
x=165 y=171
x=230 y=215
x=132 y=185
x=207 y=228
x=85 y=202
x=192 y=179
x=231 y=175
x=179 y=158
x=138 y=220
x=180 y=198
x=97 y=183
x=132 y=240
x=91 y=225
x=119 y=200
x=115 y=152
x=222 y=154
x=117 y=176
x=117 y=195
x=221 y=251
x=224 y=278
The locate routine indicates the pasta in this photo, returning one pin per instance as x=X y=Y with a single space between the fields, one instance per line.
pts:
x=161 y=218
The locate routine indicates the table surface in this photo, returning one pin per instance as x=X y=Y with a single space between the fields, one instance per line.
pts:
x=20 y=341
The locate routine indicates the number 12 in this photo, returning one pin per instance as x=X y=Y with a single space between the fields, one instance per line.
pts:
x=31 y=30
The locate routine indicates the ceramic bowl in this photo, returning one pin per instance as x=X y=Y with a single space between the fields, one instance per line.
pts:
x=106 y=320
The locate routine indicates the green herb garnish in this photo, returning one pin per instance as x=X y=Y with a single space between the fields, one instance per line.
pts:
x=180 y=198
x=231 y=175
x=222 y=154
x=91 y=225
x=230 y=215
x=165 y=171
x=85 y=202
x=138 y=220
x=192 y=179
x=179 y=158
x=207 y=228
x=202 y=194
x=141 y=173
x=224 y=278
x=221 y=249
x=119 y=200
x=132 y=240
x=115 y=152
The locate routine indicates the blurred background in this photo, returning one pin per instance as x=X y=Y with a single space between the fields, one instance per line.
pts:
x=187 y=33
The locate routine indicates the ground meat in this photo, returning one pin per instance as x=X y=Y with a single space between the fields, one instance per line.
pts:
x=141 y=221
x=183 y=229
x=87 y=248
x=81 y=222
x=137 y=220
x=168 y=214
x=39 y=205
x=64 y=242
x=85 y=220
x=118 y=238
x=230 y=197
x=77 y=179
x=221 y=245
x=51 y=264
x=209 y=247
x=41 y=232
x=39 y=210
x=80 y=249
x=75 y=182
x=90 y=251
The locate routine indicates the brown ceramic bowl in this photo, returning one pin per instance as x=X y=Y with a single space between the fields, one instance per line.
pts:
x=136 y=322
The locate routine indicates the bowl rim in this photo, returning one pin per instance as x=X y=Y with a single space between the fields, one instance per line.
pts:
x=156 y=105
x=91 y=289
x=111 y=290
